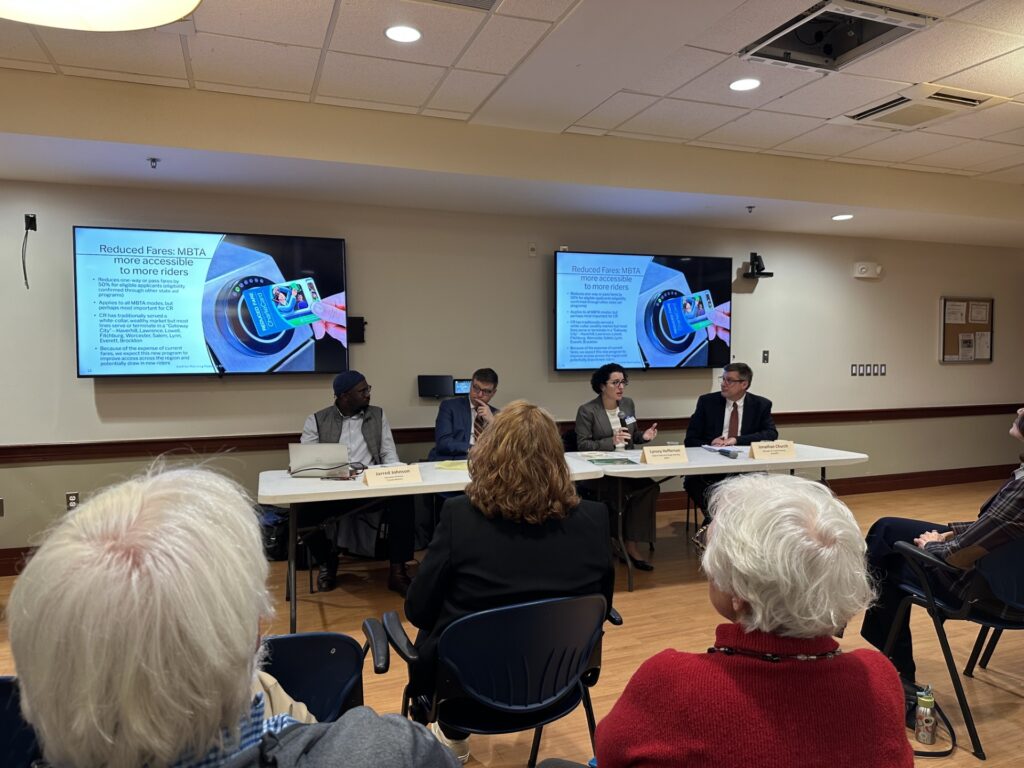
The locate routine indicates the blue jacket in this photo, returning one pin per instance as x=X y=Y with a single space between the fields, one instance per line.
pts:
x=708 y=416
x=452 y=430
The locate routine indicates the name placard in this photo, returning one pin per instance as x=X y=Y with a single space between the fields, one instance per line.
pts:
x=375 y=477
x=663 y=454
x=773 y=449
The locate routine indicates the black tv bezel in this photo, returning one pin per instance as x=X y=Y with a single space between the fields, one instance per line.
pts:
x=209 y=374
x=554 y=307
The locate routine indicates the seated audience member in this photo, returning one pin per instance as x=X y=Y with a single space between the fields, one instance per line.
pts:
x=461 y=420
x=785 y=566
x=732 y=417
x=1000 y=520
x=135 y=629
x=520 y=533
x=365 y=430
x=606 y=423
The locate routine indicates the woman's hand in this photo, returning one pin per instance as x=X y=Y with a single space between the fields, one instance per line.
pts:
x=651 y=433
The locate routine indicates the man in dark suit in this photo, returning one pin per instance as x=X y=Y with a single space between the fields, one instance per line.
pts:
x=734 y=417
x=460 y=420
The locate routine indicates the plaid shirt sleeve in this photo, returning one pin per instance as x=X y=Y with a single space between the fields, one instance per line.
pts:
x=1001 y=522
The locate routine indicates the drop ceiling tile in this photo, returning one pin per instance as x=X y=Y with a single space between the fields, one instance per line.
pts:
x=762 y=129
x=1010 y=137
x=713 y=86
x=857 y=161
x=904 y=146
x=1000 y=76
x=125 y=77
x=931 y=55
x=446 y=30
x=645 y=137
x=585 y=131
x=999 y=163
x=715 y=145
x=31 y=66
x=940 y=8
x=361 y=104
x=1013 y=175
x=678 y=69
x=834 y=95
x=751 y=21
x=446 y=114
x=980 y=125
x=145 y=52
x=967 y=155
x=921 y=168
x=545 y=10
x=616 y=110
x=253 y=63
x=1005 y=15
x=680 y=119
x=792 y=153
x=296 y=22
x=464 y=91
x=265 y=93
x=832 y=140
x=17 y=42
x=502 y=44
x=367 y=79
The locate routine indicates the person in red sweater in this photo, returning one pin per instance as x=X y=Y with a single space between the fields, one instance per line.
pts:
x=785 y=565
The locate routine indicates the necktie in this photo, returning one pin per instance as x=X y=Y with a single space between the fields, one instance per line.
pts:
x=478 y=426
x=734 y=422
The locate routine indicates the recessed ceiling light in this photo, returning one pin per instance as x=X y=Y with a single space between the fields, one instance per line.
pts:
x=745 y=84
x=842 y=217
x=402 y=34
x=105 y=16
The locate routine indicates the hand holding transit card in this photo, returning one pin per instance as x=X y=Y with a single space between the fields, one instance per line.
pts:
x=282 y=306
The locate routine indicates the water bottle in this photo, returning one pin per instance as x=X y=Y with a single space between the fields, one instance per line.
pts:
x=924 y=719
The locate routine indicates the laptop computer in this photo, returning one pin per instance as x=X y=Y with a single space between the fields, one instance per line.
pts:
x=318 y=460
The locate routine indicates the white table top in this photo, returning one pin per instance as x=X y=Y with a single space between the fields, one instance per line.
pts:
x=703 y=462
x=278 y=487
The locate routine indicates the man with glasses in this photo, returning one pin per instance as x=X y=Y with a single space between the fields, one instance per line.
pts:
x=732 y=417
x=365 y=430
x=461 y=420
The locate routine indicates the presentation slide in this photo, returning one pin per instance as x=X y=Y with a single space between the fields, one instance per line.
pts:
x=641 y=311
x=152 y=302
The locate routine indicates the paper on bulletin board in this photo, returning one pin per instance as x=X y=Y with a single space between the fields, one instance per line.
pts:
x=966 y=346
x=978 y=312
x=983 y=345
x=956 y=312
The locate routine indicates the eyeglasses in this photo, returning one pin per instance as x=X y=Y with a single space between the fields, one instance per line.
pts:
x=480 y=390
x=727 y=380
x=700 y=538
x=618 y=382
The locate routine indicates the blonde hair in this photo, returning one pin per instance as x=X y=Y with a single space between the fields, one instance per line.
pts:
x=135 y=625
x=518 y=467
x=791 y=550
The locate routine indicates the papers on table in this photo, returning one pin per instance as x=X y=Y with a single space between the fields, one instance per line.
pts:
x=455 y=464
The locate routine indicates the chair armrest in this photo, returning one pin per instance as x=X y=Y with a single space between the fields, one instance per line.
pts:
x=377 y=645
x=614 y=617
x=398 y=638
x=915 y=553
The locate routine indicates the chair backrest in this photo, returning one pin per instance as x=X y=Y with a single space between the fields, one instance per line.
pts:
x=323 y=670
x=1002 y=571
x=18 y=746
x=570 y=441
x=523 y=657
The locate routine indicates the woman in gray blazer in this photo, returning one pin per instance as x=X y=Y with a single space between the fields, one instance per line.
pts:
x=606 y=423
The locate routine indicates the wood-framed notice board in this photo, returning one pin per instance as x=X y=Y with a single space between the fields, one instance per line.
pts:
x=966 y=335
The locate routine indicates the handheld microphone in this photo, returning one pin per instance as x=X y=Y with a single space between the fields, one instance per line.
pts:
x=728 y=454
x=622 y=420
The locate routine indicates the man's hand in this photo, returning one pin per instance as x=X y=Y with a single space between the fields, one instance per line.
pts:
x=483 y=411
x=932 y=536
x=721 y=323
x=333 y=318
x=723 y=442
x=651 y=433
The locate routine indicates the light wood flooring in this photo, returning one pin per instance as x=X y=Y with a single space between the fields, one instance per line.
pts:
x=669 y=608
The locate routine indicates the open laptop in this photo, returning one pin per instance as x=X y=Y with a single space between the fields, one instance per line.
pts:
x=318 y=460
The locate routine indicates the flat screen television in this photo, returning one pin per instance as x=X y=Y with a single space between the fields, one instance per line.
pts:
x=162 y=302
x=641 y=311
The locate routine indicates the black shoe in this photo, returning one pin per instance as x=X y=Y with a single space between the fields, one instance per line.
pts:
x=640 y=565
x=327 y=578
x=398 y=579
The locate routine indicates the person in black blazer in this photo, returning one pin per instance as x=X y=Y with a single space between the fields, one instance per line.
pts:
x=520 y=533
x=710 y=424
x=594 y=432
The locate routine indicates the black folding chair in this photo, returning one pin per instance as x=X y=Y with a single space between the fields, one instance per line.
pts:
x=998 y=574
x=324 y=670
x=515 y=668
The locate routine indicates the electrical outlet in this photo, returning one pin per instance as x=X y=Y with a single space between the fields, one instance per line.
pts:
x=71 y=499
x=875 y=369
x=860 y=369
x=30 y=222
x=853 y=369
x=882 y=370
x=533 y=250
x=764 y=357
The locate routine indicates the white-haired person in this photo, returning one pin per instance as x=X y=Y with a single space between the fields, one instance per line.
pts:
x=135 y=630
x=785 y=565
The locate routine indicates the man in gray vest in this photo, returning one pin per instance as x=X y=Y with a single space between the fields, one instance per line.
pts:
x=365 y=430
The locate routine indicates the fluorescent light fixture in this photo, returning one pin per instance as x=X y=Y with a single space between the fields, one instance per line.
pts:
x=745 y=84
x=842 y=217
x=97 y=15
x=402 y=34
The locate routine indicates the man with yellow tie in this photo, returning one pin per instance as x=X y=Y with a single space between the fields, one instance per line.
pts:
x=734 y=417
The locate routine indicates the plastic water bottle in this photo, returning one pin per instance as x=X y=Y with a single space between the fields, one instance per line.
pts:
x=924 y=719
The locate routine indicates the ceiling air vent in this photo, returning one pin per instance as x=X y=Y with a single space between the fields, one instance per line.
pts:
x=920 y=105
x=830 y=35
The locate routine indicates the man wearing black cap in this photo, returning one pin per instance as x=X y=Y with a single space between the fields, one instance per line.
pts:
x=365 y=430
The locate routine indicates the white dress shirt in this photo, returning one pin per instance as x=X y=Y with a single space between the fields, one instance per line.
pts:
x=352 y=436
x=728 y=413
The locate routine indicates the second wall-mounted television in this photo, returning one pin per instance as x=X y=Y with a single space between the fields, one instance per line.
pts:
x=641 y=311
x=162 y=302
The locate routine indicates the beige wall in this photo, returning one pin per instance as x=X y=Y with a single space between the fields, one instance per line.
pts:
x=445 y=293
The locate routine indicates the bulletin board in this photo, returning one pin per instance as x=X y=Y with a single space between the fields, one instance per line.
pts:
x=966 y=335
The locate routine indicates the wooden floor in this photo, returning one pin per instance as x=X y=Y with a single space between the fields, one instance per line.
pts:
x=670 y=609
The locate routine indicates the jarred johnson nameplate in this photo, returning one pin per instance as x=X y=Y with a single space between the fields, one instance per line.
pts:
x=378 y=477
x=773 y=449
